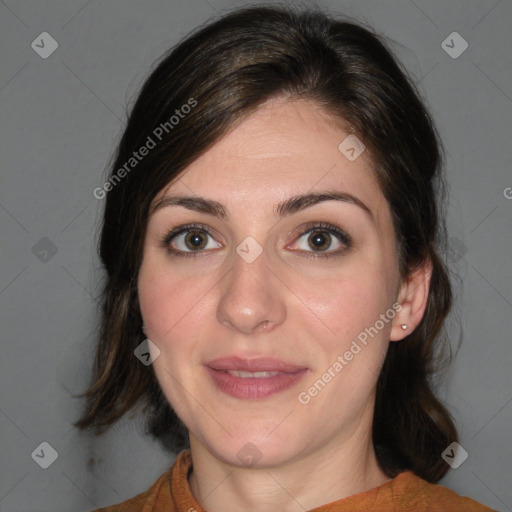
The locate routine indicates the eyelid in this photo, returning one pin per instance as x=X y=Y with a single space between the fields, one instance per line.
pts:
x=178 y=230
x=324 y=226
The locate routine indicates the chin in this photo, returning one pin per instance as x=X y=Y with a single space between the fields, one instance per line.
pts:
x=252 y=447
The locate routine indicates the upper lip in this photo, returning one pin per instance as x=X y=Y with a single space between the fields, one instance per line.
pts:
x=254 y=365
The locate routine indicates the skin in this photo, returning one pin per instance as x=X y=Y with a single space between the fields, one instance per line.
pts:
x=284 y=304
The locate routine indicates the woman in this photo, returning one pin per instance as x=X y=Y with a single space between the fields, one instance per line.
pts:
x=271 y=229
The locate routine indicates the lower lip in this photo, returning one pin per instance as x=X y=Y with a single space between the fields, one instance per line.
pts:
x=253 y=387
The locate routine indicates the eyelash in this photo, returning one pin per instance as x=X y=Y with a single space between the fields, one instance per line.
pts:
x=342 y=237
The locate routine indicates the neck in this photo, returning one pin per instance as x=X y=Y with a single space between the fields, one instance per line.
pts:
x=329 y=474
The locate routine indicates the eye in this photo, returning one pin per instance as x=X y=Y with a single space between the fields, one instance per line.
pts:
x=318 y=239
x=323 y=239
x=190 y=239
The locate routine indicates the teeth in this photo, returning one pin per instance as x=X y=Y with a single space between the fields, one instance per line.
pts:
x=246 y=375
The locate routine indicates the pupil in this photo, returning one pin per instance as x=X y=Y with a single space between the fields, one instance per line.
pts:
x=319 y=240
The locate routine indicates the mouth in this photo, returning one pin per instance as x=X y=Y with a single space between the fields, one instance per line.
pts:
x=249 y=375
x=253 y=378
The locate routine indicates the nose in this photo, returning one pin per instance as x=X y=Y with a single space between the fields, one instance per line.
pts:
x=251 y=299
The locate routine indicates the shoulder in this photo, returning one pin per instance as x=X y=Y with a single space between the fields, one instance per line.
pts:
x=413 y=493
x=141 y=501
x=167 y=494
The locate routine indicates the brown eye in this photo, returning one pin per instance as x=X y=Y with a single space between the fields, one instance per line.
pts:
x=319 y=240
x=186 y=240
x=195 y=240
x=322 y=239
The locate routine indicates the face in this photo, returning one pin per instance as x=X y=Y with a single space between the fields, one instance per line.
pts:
x=269 y=284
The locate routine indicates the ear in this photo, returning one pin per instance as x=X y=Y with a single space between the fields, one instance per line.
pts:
x=412 y=296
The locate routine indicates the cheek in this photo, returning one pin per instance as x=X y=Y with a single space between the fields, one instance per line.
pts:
x=348 y=311
x=347 y=305
x=156 y=300
x=169 y=301
x=172 y=307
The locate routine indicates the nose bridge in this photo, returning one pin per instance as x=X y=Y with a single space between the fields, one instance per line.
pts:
x=250 y=299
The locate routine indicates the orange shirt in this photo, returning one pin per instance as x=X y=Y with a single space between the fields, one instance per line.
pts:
x=406 y=492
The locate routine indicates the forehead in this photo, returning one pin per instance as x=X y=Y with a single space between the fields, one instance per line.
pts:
x=284 y=148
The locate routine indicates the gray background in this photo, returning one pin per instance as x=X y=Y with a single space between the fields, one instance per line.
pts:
x=61 y=118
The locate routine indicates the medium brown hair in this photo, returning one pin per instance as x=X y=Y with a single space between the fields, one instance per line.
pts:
x=227 y=69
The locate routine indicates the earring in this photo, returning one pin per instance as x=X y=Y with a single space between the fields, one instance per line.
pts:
x=404 y=327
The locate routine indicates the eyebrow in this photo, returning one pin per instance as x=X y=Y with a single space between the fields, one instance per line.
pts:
x=285 y=208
